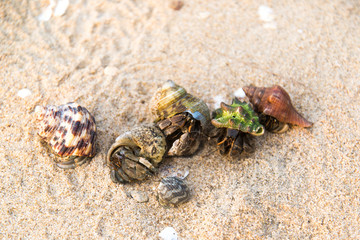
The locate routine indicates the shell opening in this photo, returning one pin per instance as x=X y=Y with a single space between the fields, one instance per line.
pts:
x=260 y=131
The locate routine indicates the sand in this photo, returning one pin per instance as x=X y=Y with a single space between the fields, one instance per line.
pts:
x=111 y=56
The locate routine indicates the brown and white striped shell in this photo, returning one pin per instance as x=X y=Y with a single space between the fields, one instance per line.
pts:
x=70 y=132
x=173 y=191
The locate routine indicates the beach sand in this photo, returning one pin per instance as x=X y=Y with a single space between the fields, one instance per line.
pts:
x=111 y=56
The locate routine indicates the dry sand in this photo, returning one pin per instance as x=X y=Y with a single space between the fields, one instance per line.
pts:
x=110 y=57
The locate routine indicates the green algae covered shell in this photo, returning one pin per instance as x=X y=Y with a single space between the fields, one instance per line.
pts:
x=240 y=116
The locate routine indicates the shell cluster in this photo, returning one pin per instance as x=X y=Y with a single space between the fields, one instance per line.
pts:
x=173 y=191
x=181 y=123
x=238 y=120
x=70 y=132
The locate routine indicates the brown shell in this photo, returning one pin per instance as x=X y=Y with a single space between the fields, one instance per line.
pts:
x=69 y=130
x=275 y=101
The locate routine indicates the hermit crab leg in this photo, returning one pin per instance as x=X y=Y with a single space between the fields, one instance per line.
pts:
x=72 y=163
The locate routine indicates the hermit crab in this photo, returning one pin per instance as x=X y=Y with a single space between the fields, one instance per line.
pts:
x=69 y=131
x=136 y=154
x=182 y=117
x=275 y=108
x=235 y=122
x=172 y=191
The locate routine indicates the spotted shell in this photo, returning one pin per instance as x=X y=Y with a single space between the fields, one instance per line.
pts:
x=136 y=154
x=240 y=116
x=172 y=99
x=173 y=191
x=70 y=132
x=275 y=102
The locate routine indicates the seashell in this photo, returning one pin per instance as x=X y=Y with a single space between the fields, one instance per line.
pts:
x=275 y=102
x=70 y=132
x=182 y=117
x=235 y=122
x=172 y=191
x=240 y=116
x=136 y=154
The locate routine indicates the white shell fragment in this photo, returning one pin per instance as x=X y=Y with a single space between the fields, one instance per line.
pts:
x=168 y=233
x=139 y=196
x=46 y=14
x=266 y=13
x=204 y=15
x=110 y=71
x=240 y=93
x=218 y=99
x=61 y=7
x=23 y=93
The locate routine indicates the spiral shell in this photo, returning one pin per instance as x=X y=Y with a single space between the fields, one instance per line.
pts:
x=173 y=191
x=136 y=154
x=182 y=117
x=70 y=132
x=275 y=102
x=172 y=99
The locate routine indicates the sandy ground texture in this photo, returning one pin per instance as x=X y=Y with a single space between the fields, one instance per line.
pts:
x=110 y=57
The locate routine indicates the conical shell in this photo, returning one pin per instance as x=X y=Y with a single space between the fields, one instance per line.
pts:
x=68 y=129
x=172 y=99
x=275 y=101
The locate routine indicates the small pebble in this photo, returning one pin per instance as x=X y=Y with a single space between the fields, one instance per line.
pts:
x=176 y=4
x=23 y=93
x=139 y=196
x=110 y=71
x=204 y=15
x=168 y=233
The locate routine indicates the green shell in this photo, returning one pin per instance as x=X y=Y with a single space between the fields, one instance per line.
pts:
x=172 y=99
x=239 y=115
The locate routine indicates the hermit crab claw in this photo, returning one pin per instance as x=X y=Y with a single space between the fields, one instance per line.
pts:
x=136 y=154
